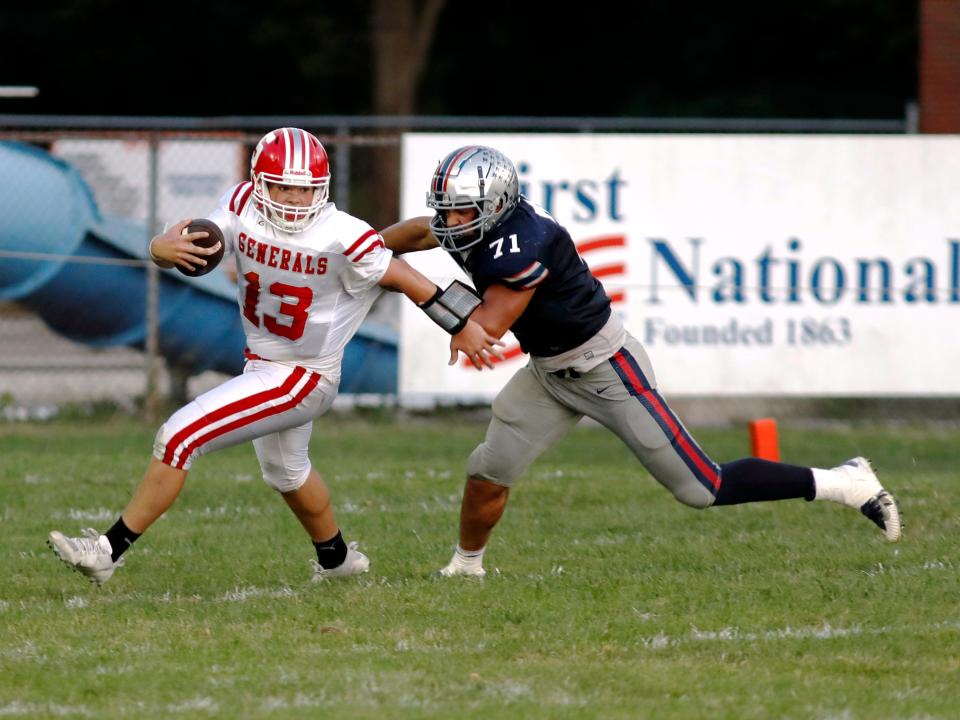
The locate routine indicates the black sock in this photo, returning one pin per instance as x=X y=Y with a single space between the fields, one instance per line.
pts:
x=756 y=480
x=121 y=538
x=331 y=553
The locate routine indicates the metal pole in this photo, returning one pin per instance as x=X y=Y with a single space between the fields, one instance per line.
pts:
x=19 y=91
x=152 y=399
x=912 y=118
x=341 y=154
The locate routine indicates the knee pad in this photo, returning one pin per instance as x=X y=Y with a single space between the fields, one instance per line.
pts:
x=284 y=479
x=487 y=465
x=695 y=496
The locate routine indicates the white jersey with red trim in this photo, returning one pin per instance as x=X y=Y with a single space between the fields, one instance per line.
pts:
x=302 y=295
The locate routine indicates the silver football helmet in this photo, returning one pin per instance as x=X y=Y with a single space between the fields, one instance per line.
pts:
x=474 y=176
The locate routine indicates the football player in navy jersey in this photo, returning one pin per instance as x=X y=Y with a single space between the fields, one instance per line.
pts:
x=583 y=362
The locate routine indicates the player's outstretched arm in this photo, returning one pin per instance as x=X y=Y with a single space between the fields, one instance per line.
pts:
x=409 y=235
x=450 y=308
x=501 y=308
x=172 y=247
x=402 y=277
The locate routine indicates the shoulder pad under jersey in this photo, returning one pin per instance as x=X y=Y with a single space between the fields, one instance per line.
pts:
x=237 y=198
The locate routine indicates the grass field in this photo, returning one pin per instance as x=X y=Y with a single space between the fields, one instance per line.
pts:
x=605 y=598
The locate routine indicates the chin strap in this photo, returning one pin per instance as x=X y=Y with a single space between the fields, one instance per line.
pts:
x=451 y=308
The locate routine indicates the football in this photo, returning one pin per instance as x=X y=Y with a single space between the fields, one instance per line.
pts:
x=214 y=236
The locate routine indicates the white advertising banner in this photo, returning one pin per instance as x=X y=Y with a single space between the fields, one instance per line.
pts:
x=746 y=265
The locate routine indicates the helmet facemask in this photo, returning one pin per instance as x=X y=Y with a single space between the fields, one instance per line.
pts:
x=461 y=237
x=290 y=218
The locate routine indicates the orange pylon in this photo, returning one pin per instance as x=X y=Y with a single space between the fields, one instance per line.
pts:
x=763 y=439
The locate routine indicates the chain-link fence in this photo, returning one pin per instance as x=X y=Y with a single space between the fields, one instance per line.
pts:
x=82 y=310
x=79 y=313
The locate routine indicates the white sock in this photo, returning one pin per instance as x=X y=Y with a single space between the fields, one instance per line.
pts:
x=470 y=560
x=830 y=485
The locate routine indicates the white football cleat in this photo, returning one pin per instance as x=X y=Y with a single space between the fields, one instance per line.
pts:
x=355 y=563
x=90 y=555
x=864 y=491
x=451 y=571
x=457 y=566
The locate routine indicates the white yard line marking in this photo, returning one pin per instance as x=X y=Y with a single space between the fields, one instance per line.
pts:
x=819 y=632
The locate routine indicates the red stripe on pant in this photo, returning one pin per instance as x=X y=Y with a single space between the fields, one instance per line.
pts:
x=227 y=410
x=250 y=419
x=667 y=417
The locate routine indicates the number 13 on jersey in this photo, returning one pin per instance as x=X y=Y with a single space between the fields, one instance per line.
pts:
x=296 y=311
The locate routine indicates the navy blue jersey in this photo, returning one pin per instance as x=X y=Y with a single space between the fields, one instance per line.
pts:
x=532 y=250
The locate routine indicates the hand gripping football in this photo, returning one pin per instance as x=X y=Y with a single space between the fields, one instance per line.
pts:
x=214 y=236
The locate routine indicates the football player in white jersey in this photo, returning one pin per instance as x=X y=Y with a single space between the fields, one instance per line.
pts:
x=307 y=275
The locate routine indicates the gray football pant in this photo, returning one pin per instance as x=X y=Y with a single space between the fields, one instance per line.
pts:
x=535 y=409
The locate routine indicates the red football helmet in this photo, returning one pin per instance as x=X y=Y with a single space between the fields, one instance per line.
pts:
x=290 y=156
